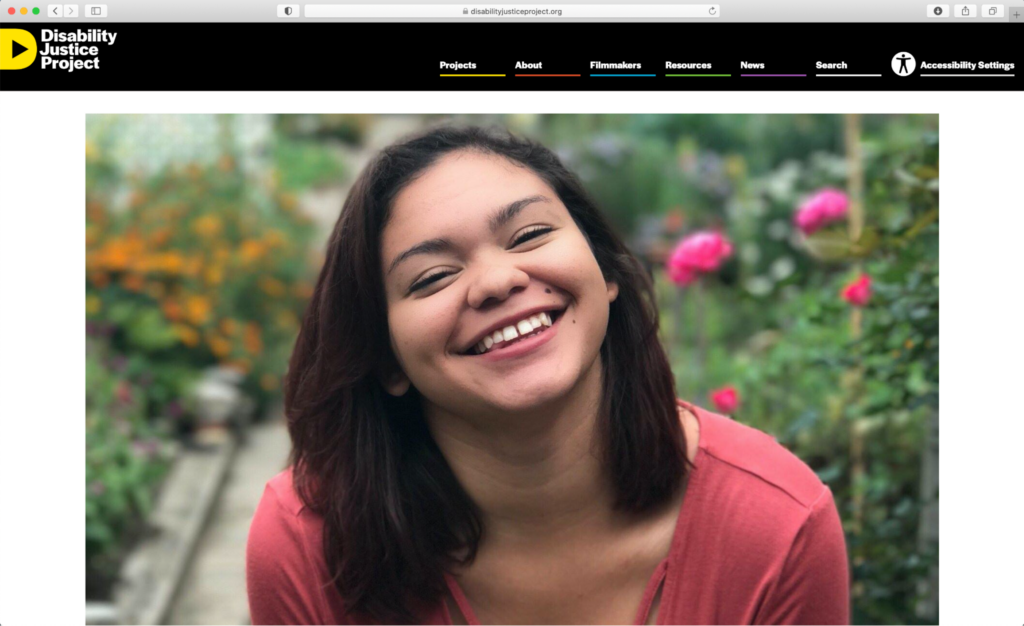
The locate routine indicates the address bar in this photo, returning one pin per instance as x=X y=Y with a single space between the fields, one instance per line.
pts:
x=456 y=11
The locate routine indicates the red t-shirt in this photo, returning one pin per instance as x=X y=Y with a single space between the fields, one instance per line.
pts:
x=758 y=541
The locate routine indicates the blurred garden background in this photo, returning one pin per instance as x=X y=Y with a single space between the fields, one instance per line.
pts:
x=795 y=257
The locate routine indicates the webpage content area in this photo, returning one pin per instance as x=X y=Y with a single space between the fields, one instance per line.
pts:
x=396 y=241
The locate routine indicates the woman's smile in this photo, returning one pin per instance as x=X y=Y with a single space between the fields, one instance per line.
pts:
x=517 y=339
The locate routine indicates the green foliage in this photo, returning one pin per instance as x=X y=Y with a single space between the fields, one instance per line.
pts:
x=203 y=267
x=126 y=456
x=191 y=266
x=854 y=405
x=305 y=164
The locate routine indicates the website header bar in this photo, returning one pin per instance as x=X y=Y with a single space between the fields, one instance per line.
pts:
x=462 y=57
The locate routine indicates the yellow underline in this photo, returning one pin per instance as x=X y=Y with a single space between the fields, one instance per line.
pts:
x=472 y=74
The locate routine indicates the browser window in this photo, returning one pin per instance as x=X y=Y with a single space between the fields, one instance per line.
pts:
x=429 y=252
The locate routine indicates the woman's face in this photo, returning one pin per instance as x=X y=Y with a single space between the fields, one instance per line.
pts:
x=475 y=247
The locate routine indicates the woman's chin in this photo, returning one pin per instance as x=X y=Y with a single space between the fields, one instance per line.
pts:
x=527 y=395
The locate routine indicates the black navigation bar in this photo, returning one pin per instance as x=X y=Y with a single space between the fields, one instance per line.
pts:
x=509 y=57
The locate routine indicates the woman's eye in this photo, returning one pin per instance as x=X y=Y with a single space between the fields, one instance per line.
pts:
x=530 y=234
x=433 y=278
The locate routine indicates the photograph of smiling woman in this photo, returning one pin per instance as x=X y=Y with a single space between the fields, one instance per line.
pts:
x=400 y=386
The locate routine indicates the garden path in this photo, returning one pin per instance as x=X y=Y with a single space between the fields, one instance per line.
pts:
x=213 y=591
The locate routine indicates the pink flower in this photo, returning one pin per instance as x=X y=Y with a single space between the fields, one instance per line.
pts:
x=124 y=392
x=697 y=254
x=858 y=293
x=824 y=207
x=726 y=399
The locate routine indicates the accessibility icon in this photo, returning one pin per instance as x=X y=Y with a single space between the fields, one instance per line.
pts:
x=904 y=64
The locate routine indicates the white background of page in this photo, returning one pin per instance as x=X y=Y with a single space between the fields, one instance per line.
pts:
x=42 y=303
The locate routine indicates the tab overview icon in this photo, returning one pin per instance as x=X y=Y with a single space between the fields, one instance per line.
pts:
x=17 y=49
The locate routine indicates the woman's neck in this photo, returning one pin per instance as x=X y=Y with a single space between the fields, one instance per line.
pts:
x=537 y=479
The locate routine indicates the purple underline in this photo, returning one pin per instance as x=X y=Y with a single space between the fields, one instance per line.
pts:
x=773 y=74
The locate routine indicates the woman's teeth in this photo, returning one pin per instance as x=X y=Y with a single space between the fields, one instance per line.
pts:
x=530 y=325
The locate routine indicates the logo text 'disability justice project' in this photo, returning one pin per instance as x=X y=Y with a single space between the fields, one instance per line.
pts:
x=66 y=51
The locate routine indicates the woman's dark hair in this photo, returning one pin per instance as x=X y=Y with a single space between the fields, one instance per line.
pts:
x=395 y=517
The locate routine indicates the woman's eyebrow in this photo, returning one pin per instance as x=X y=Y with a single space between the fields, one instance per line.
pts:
x=502 y=216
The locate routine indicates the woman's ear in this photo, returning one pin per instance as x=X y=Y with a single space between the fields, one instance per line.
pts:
x=393 y=377
x=397 y=384
x=613 y=291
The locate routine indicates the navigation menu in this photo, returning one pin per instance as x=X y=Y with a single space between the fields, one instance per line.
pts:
x=511 y=57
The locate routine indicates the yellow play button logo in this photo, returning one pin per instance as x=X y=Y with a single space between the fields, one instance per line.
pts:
x=17 y=49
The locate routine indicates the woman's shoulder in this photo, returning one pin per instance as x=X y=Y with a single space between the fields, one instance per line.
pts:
x=282 y=522
x=281 y=489
x=769 y=528
x=283 y=564
x=741 y=454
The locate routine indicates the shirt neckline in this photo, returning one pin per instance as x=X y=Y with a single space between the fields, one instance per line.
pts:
x=660 y=572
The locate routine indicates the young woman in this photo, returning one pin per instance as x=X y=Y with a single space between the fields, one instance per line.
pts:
x=485 y=428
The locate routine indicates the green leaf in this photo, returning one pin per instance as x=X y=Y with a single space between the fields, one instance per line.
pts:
x=149 y=331
x=835 y=244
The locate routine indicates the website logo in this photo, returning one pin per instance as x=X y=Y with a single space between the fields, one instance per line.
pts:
x=17 y=49
x=904 y=64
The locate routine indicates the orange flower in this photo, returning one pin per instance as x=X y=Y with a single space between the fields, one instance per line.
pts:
x=220 y=346
x=172 y=310
x=287 y=320
x=271 y=286
x=94 y=211
x=137 y=199
x=198 y=309
x=252 y=250
x=251 y=339
x=229 y=326
x=115 y=255
x=274 y=238
x=304 y=290
x=288 y=202
x=160 y=236
x=171 y=262
x=268 y=382
x=99 y=279
x=207 y=226
x=192 y=265
x=186 y=334
x=133 y=282
x=213 y=275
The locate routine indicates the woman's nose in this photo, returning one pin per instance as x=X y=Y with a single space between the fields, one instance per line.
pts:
x=495 y=283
